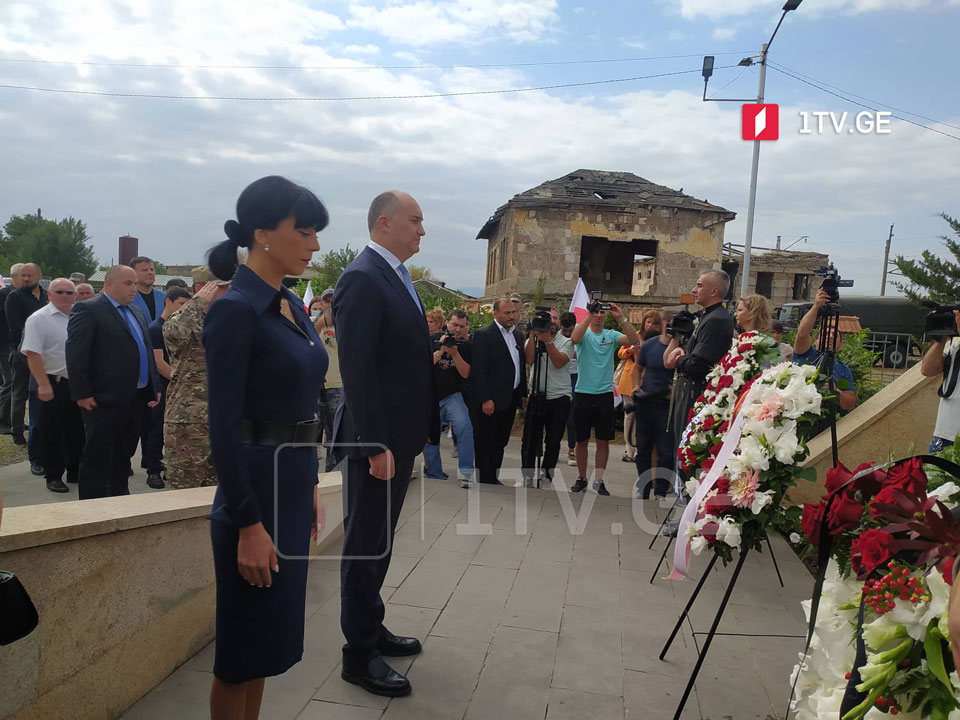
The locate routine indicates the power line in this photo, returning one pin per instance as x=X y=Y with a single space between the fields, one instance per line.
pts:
x=358 y=67
x=159 y=96
x=855 y=102
x=847 y=92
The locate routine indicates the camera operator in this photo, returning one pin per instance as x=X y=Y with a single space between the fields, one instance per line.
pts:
x=701 y=349
x=805 y=351
x=939 y=359
x=549 y=405
x=596 y=352
x=451 y=368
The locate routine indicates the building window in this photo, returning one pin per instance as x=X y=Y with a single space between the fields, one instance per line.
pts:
x=765 y=284
x=503 y=259
x=801 y=286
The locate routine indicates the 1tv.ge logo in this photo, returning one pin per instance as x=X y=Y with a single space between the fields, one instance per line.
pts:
x=762 y=122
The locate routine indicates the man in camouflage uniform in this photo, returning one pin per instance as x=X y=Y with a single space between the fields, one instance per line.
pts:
x=185 y=432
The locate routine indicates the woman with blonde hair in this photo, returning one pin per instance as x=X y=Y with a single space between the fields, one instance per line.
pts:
x=753 y=314
x=435 y=320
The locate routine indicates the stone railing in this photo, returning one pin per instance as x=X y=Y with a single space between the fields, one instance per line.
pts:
x=125 y=592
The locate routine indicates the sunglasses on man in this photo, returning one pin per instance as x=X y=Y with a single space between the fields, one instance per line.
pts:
x=63 y=292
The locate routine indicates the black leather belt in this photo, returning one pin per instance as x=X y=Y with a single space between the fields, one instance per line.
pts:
x=265 y=432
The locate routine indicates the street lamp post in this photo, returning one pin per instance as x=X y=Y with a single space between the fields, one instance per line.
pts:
x=755 y=162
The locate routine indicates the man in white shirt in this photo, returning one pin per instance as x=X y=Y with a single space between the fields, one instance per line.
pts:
x=59 y=423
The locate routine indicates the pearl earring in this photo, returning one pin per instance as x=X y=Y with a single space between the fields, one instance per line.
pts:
x=266 y=247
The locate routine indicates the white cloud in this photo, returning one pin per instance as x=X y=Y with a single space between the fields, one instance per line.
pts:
x=427 y=22
x=723 y=33
x=712 y=9
x=362 y=50
x=634 y=42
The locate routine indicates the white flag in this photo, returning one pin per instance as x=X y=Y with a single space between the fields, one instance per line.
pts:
x=578 y=306
x=308 y=297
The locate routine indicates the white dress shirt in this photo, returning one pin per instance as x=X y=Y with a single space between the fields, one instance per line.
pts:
x=507 y=335
x=45 y=333
x=391 y=259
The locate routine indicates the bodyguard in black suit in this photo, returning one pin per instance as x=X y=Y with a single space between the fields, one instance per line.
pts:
x=499 y=378
x=387 y=412
x=112 y=376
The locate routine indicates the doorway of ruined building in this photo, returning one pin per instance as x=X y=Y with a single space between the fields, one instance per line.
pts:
x=611 y=265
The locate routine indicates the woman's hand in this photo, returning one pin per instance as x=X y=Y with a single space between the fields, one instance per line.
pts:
x=319 y=516
x=256 y=556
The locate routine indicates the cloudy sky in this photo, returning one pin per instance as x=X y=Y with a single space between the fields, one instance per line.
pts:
x=169 y=169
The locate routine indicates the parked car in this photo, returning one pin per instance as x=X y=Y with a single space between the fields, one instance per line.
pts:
x=895 y=323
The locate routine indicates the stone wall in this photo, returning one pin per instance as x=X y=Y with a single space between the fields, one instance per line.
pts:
x=548 y=242
x=124 y=588
x=783 y=268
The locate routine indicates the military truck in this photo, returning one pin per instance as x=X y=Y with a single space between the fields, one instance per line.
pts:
x=895 y=323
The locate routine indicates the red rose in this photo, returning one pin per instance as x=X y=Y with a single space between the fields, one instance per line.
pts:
x=870 y=483
x=870 y=550
x=845 y=513
x=690 y=416
x=709 y=531
x=744 y=347
x=887 y=496
x=947 y=570
x=836 y=477
x=715 y=450
x=909 y=475
x=709 y=423
x=810 y=521
x=723 y=426
x=725 y=382
x=707 y=464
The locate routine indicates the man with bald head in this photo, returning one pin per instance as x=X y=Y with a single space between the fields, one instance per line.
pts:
x=58 y=421
x=21 y=304
x=113 y=375
x=5 y=369
x=388 y=411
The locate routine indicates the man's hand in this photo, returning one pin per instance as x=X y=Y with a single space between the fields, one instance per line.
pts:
x=154 y=403
x=207 y=292
x=822 y=298
x=616 y=312
x=45 y=392
x=381 y=465
x=487 y=407
x=87 y=403
x=543 y=337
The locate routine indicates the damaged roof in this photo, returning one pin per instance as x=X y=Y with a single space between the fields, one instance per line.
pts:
x=600 y=190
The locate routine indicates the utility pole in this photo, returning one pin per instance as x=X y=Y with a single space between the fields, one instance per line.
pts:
x=886 y=263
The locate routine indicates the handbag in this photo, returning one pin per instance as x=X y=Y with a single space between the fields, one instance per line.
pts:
x=18 y=616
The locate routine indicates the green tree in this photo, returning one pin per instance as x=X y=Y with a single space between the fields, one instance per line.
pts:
x=330 y=266
x=420 y=272
x=59 y=247
x=930 y=277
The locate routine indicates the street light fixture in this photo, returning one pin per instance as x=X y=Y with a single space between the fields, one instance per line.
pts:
x=755 y=165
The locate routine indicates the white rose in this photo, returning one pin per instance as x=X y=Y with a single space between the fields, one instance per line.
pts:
x=795 y=538
x=729 y=532
x=698 y=544
x=760 y=501
x=692 y=486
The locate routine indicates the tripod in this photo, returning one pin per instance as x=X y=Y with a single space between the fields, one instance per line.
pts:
x=533 y=423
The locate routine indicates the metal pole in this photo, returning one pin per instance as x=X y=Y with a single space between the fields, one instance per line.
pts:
x=886 y=262
x=755 y=166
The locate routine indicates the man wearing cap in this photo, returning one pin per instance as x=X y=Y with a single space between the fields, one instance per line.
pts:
x=185 y=420
x=333 y=385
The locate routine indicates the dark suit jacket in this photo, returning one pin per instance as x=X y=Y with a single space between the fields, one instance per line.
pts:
x=102 y=357
x=386 y=362
x=492 y=369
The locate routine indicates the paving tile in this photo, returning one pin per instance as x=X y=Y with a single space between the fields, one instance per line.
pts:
x=203 y=660
x=406 y=620
x=475 y=607
x=598 y=541
x=414 y=539
x=595 y=584
x=184 y=694
x=537 y=598
x=725 y=692
x=643 y=638
x=635 y=553
x=462 y=535
x=400 y=567
x=503 y=548
x=574 y=705
x=441 y=508
x=515 y=679
x=322 y=585
x=637 y=593
x=319 y=710
x=443 y=676
x=588 y=654
x=648 y=695
x=431 y=583
x=521 y=514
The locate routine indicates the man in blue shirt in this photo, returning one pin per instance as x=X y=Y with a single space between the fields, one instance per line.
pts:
x=806 y=353
x=594 y=409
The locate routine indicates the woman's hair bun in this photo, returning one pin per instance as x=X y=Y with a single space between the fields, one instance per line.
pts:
x=233 y=232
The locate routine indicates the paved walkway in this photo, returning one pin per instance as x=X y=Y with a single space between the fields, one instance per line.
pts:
x=543 y=624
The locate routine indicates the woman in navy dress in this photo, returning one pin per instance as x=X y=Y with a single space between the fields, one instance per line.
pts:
x=265 y=369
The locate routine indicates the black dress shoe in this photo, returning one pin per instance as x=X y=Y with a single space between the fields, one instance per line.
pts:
x=377 y=678
x=394 y=646
x=36 y=468
x=155 y=481
x=57 y=486
x=19 y=439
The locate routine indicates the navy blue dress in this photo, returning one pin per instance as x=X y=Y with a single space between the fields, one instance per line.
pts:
x=260 y=367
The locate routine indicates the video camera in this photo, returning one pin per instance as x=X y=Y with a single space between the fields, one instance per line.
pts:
x=832 y=281
x=682 y=325
x=541 y=321
x=597 y=305
x=448 y=342
x=940 y=322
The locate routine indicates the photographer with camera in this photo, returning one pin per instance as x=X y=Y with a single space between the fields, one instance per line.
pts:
x=548 y=407
x=596 y=354
x=451 y=368
x=940 y=359
x=695 y=348
x=805 y=351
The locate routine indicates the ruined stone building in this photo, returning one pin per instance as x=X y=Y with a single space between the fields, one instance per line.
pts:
x=782 y=276
x=599 y=225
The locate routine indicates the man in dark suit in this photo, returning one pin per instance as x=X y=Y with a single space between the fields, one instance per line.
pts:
x=499 y=382
x=112 y=376
x=387 y=412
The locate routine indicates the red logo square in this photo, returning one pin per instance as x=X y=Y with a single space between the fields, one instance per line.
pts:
x=761 y=122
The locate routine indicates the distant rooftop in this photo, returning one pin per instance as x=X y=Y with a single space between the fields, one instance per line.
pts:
x=601 y=190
